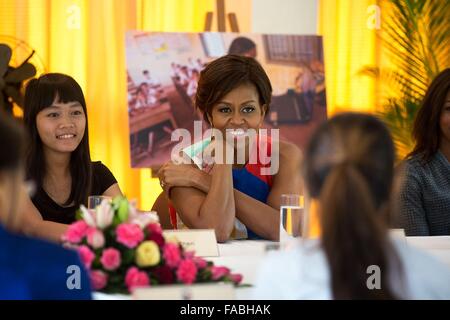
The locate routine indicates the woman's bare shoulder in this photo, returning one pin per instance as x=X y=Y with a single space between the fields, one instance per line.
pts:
x=290 y=151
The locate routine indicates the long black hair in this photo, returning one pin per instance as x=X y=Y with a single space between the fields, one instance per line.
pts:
x=426 y=130
x=349 y=165
x=40 y=94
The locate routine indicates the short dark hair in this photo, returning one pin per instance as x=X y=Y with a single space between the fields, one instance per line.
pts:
x=40 y=94
x=12 y=141
x=426 y=129
x=225 y=74
x=241 y=45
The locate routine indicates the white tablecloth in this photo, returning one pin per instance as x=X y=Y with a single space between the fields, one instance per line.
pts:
x=245 y=256
x=438 y=246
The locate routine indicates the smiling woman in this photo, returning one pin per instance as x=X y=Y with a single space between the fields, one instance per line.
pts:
x=236 y=199
x=61 y=137
x=58 y=159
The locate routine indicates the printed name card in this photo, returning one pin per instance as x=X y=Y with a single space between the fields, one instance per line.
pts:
x=206 y=291
x=202 y=241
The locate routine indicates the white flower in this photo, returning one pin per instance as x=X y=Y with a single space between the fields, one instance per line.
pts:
x=104 y=214
x=96 y=239
x=142 y=219
x=87 y=216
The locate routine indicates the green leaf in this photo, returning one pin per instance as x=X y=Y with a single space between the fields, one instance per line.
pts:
x=416 y=38
x=128 y=257
x=123 y=209
x=78 y=215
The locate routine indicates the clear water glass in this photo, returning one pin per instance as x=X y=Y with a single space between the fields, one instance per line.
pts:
x=292 y=218
x=94 y=201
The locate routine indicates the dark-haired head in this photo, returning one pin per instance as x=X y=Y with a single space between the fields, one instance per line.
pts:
x=349 y=169
x=243 y=46
x=227 y=73
x=12 y=142
x=41 y=96
x=427 y=130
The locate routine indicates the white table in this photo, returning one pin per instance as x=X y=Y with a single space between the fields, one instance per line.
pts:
x=438 y=246
x=245 y=257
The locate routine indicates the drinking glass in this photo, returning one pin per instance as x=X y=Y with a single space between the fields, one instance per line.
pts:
x=292 y=218
x=94 y=201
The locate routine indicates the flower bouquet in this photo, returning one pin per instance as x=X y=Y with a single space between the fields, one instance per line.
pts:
x=123 y=248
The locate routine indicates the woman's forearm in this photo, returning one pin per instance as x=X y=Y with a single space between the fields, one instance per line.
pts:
x=47 y=230
x=52 y=231
x=258 y=216
x=219 y=202
x=202 y=180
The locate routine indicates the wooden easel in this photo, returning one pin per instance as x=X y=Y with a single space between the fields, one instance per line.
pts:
x=221 y=26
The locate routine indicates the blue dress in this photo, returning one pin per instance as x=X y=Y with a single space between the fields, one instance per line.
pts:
x=249 y=180
x=35 y=269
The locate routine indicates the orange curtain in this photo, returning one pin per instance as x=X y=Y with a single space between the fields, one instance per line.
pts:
x=349 y=31
x=86 y=39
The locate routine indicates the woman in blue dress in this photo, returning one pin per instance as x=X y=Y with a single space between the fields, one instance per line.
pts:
x=238 y=199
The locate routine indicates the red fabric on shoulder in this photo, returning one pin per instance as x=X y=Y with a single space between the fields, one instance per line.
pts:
x=265 y=143
x=173 y=216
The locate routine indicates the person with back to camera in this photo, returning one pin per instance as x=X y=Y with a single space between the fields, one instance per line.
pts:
x=348 y=170
x=29 y=268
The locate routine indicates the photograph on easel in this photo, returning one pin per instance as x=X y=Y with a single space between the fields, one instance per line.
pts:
x=163 y=70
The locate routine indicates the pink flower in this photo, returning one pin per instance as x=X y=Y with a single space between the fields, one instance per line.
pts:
x=76 y=232
x=99 y=279
x=95 y=238
x=154 y=228
x=157 y=237
x=135 y=278
x=164 y=274
x=189 y=254
x=187 y=271
x=110 y=259
x=236 y=278
x=129 y=234
x=172 y=255
x=86 y=255
x=219 y=272
x=201 y=263
x=142 y=219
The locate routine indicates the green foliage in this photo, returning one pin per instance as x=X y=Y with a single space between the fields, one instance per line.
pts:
x=416 y=36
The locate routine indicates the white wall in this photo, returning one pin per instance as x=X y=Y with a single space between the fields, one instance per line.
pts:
x=285 y=16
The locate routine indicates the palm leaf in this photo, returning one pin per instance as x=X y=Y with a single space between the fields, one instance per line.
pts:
x=416 y=38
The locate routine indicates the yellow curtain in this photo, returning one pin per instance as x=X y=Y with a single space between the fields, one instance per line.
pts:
x=86 y=39
x=349 y=29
